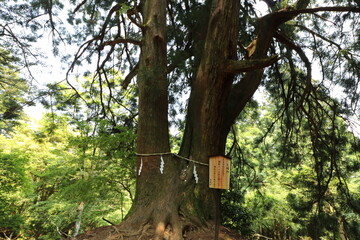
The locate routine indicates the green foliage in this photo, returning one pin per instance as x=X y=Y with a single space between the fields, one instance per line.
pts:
x=234 y=214
x=14 y=187
x=94 y=174
x=284 y=187
x=47 y=173
x=13 y=90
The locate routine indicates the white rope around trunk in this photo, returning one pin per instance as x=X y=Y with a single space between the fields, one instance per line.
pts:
x=170 y=153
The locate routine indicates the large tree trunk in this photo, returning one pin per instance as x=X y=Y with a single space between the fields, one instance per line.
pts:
x=158 y=193
x=210 y=92
x=167 y=197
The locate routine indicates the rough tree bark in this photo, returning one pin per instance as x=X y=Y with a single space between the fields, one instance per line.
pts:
x=153 y=204
x=170 y=201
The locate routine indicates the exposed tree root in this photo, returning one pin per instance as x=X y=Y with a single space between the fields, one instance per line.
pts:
x=144 y=230
x=147 y=232
x=139 y=233
x=167 y=217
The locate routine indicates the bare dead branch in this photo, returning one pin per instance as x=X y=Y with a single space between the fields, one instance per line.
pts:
x=126 y=48
x=101 y=86
x=34 y=17
x=324 y=19
x=24 y=48
x=111 y=223
x=328 y=9
x=289 y=13
x=110 y=95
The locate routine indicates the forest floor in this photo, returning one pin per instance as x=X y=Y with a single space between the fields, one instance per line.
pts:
x=112 y=233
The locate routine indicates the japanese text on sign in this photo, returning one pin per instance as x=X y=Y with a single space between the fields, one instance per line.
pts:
x=219 y=172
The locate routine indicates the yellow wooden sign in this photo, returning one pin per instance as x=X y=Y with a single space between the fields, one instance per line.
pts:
x=219 y=172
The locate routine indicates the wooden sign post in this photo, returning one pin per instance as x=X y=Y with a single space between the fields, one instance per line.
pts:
x=219 y=172
x=219 y=178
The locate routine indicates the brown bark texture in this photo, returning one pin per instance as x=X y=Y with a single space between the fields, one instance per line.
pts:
x=168 y=200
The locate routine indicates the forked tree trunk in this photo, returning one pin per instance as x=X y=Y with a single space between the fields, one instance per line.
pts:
x=167 y=196
x=169 y=200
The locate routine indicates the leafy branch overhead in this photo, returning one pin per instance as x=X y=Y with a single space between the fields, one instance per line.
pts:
x=275 y=18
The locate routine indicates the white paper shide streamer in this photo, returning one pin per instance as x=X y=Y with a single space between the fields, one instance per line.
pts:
x=162 y=164
x=140 y=168
x=196 y=175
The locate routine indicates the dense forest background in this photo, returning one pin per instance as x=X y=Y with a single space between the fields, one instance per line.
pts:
x=75 y=169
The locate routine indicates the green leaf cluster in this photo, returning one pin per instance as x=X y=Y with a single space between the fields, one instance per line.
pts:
x=13 y=92
x=47 y=172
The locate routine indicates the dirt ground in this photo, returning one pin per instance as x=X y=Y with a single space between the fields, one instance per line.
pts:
x=112 y=233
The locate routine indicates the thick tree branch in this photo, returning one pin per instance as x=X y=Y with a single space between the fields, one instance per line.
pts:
x=119 y=40
x=130 y=76
x=289 y=13
x=248 y=65
x=243 y=90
